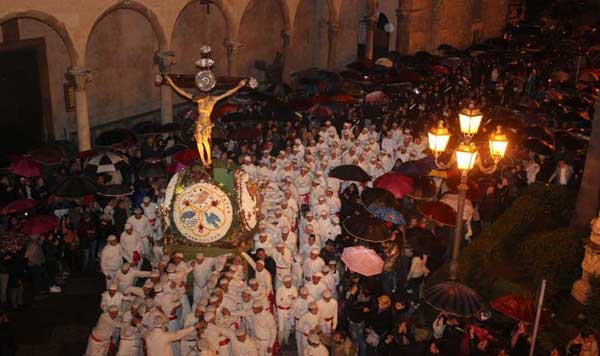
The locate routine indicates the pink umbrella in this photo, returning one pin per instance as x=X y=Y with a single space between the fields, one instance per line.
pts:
x=39 y=224
x=395 y=183
x=18 y=206
x=25 y=167
x=362 y=260
x=320 y=110
x=375 y=97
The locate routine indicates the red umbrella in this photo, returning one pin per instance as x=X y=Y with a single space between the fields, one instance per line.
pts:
x=186 y=156
x=438 y=69
x=320 y=111
x=519 y=308
x=18 y=206
x=395 y=183
x=47 y=155
x=342 y=98
x=246 y=133
x=224 y=110
x=25 y=167
x=453 y=180
x=362 y=260
x=439 y=212
x=39 y=224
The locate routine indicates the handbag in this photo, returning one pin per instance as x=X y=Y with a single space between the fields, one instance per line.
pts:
x=372 y=338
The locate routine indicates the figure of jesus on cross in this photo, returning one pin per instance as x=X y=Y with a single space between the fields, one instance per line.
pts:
x=205 y=81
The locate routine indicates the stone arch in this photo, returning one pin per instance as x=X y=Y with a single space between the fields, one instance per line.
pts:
x=141 y=9
x=193 y=28
x=260 y=16
x=120 y=52
x=225 y=10
x=309 y=42
x=53 y=23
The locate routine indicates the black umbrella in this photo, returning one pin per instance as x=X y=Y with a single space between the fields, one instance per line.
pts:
x=117 y=190
x=76 y=187
x=117 y=137
x=105 y=162
x=151 y=170
x=379 y=196
x=543 y=133
x=569 y=140
x=539 y=146
x=367 y=228
x=424 y=188
x=145 y=128
x=170 y=127
x=350 y=172
x=455 y=299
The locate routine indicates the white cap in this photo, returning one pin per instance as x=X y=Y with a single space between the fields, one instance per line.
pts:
x=314 y=339
x=261 y=262
x=257 y=303
x=146 y=199
x=137 y=211
x=318 y=274
x=240 y=332
x=303 y=290
x=314 y=251
x=199 y=256
x=325 y=269
x=113 y=286
x=148 y=284
x=252 y=281
x=179 y=254
x=111 y=238
x=326 y=293
x=128 y=226
x=159 y=321
x=208 y=316
x=312 y=305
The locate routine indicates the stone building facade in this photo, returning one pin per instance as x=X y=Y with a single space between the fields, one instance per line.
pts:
x=106 y=47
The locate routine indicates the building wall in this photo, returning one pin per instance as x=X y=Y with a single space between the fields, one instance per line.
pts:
x=58 y=63
x=120 y=54
x=194 y=28
x=117 y=39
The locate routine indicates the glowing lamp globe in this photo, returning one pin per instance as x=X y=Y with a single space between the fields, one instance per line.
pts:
x=498 y=144
x=466 y=156
x=438 y=138
x=470 y=119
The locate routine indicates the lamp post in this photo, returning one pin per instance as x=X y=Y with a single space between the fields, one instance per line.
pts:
x=466 y=157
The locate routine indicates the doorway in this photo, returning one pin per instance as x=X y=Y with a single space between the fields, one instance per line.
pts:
x=24 y=99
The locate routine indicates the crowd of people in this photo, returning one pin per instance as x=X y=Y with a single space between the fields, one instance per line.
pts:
x=286 y=289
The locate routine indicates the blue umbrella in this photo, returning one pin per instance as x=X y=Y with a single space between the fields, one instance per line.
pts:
x=387 y=214
x=417 y=168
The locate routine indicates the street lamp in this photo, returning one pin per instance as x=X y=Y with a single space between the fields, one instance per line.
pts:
x=466 y=156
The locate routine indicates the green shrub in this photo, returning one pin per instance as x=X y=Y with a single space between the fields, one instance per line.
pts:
x=554 y=255
x=542 y=208
x=592 y=308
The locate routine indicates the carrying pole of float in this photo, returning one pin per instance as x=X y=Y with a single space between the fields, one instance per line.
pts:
x=538 y=316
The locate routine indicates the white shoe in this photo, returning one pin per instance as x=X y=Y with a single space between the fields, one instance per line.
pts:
x=55 y=289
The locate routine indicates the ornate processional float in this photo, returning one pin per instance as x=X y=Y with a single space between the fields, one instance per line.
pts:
x=200 y=214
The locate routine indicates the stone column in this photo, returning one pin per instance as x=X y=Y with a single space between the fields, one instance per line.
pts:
x=402 y=28
x=332 y=34
x=590 y=264
x=436 y=17
x=233 y=47
x=80 y=78
x=370 y=45
x=165 y=61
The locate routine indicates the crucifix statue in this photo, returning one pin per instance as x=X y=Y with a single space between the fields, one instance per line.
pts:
x=205 y=81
